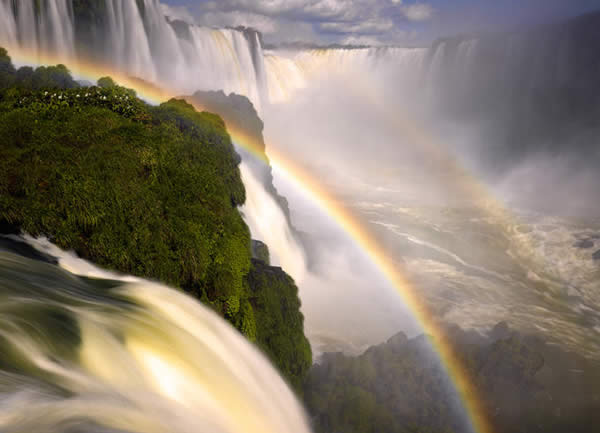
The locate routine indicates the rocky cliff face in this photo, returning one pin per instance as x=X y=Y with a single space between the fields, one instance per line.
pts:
x=239 y=114
x=150 y=191
x=399 y=386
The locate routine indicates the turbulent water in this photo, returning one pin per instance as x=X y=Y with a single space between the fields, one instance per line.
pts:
x=537 y=272
x=106 y=353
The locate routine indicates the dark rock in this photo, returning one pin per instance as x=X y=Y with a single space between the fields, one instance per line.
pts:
x=596 y=255
x=25 y=250
x=500 y=331
x=584 y=244
x=398 y=339
x=260 y=251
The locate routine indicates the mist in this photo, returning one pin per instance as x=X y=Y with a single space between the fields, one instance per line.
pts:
x=418 y=150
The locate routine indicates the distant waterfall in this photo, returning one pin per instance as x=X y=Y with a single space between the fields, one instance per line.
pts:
x=140 y=41
x=288 y=72
x=38 y=26
x=105 y=355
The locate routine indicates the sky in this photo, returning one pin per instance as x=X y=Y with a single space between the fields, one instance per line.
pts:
x=374 y=22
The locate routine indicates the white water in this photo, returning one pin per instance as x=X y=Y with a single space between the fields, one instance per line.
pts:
x=146 y=45
x=289 y=72
x=268 y=224
x=134 y=357
x=142 y=44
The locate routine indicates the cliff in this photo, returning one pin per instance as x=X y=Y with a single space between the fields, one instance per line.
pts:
x=239 y=114
x=399 y=386
x=143 y=190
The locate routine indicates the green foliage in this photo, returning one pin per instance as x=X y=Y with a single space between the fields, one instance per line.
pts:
x=397 y=387
x=147 y=191
x=279 y=322
x=150 y=191
x=44 y=77
x=7 y=70
x=106 y=83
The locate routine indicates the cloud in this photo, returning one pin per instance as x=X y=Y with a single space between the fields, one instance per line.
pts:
x=320 y=21
x=371 y=26
x=262 y=23
x=178 y=13
x=418 y=11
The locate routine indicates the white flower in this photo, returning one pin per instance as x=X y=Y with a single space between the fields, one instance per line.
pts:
x=45 y=93
x=59 y=96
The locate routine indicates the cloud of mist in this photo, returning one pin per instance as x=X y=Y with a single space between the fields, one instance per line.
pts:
x=352 y=130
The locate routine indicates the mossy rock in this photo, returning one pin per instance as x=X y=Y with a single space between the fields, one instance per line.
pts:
x=142 y=190
x=279 y=322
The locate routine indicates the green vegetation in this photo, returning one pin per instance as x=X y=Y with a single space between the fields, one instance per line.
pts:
x=147 y=191
x=279 y=322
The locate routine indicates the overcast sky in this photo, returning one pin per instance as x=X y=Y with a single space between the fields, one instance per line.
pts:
x=373 y=22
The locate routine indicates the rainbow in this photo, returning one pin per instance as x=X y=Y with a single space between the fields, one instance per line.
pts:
x=302 y=179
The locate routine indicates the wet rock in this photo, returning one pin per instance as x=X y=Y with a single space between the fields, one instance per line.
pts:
x=584 y=244
x=500 y=331
x=260 y=251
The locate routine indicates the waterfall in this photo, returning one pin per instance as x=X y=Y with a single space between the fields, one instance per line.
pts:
x=288 y=72
x=38 y=26
x=137 y=38
x=268 y=223
x=120 y=354
x=128 y=43
x=141 y=41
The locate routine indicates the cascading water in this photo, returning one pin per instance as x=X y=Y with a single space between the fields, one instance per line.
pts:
x=114 y=354
x=38 y=26
x=288 y=72
x=268 y=223
x=183 y=57
x=139 y=41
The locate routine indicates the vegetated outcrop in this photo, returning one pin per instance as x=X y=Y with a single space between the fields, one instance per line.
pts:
x=279 y=322
x=239 y=114
x=143 y=190
x=399 y=386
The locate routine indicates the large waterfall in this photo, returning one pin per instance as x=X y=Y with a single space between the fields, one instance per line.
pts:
x=120 y=354
x=136 y=37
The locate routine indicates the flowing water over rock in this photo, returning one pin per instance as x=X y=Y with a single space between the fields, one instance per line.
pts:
x=107 y=353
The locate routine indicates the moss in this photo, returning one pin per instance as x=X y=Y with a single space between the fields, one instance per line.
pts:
x=150 y=191
x=147 y=191
x=279 y=322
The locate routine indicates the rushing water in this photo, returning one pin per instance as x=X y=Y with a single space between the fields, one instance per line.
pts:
x=144 y=43
x=106 y=353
